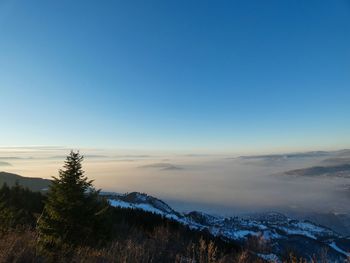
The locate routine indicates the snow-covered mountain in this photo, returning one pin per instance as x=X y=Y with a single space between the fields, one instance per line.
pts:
x=272 y=234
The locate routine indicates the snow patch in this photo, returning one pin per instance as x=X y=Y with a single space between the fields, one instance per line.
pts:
x=335 y=247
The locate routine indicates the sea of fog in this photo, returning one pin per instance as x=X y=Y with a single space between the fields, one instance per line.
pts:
x=220 y=184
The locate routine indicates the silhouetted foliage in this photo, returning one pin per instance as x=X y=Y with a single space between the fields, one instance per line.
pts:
x=73 y=211
x=19 y=207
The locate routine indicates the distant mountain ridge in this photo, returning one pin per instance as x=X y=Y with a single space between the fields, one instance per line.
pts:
x=324 y=157
x=287 y=155
x=340 y=170
x=33 y=183
x=275 y=229
x=338 y=153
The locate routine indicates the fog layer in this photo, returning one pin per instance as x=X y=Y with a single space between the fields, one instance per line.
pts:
x=221 y=184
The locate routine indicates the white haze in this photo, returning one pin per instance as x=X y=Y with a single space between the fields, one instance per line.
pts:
x=219 y=184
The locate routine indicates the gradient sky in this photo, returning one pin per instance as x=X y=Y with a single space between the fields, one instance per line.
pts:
x=176 y=75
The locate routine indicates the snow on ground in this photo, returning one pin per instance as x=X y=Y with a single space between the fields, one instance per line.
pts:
x=335 y=247
x=235 y=228
x=141 y=197
x=297 y=228
x=309 y=227
x=301 y=232
x=119 y=203
x=252 y=223
x=145 y=207
x=239 y=234
x=271 y=235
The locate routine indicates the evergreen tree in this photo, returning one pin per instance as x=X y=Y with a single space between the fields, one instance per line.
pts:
x=73 y=211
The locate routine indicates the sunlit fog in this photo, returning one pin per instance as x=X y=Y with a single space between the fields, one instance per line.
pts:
x=222 y=184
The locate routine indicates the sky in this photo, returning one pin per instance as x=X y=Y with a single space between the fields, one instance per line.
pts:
x=218 y=76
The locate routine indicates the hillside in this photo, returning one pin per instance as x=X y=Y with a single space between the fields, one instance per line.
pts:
x=273 y=233
x=124 y=235
x=34 y=184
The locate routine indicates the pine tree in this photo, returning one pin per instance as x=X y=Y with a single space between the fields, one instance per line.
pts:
x=73 y=210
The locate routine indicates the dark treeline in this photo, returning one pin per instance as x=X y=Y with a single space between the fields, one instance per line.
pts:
x=19 y=207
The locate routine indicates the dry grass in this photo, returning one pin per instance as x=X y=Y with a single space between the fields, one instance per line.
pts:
x=21 y=247
x=18 y=247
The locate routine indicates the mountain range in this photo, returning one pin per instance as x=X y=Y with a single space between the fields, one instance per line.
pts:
x=339 y=170
x=274 y=233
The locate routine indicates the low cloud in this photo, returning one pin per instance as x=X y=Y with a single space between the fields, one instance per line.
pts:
x=162 y=166
x=4 y=163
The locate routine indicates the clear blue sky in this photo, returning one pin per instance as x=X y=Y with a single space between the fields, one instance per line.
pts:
x=210 y=75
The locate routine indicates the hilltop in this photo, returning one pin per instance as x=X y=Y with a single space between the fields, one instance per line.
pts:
x=34 y=184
